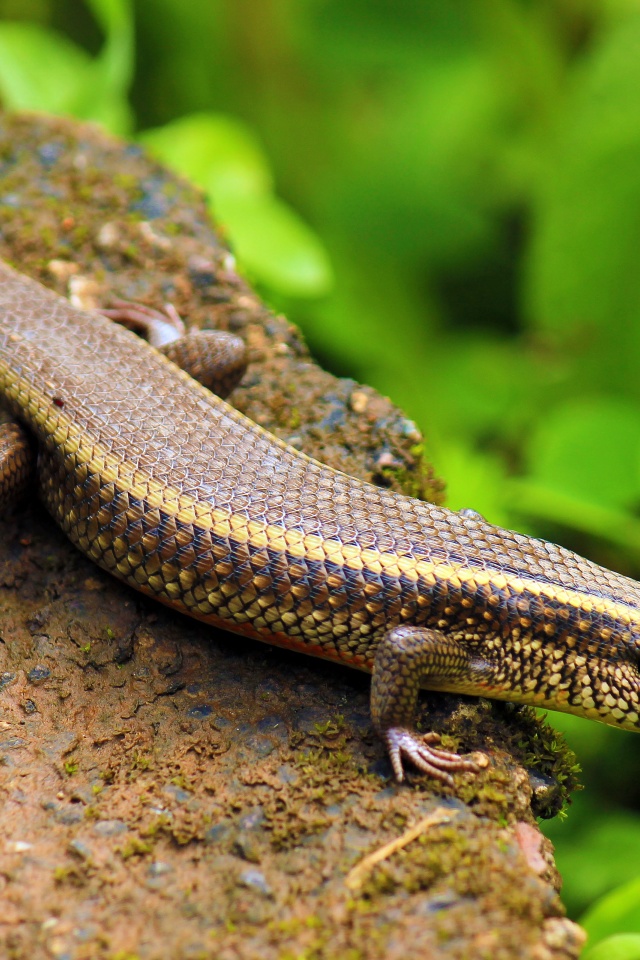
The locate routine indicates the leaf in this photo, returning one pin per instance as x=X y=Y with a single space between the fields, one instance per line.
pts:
x=216 y=152
x=116 y=57
x=617 y=912
x=474 y=480
x=40 y=69
x=589 y=448
x=623 y=946
x=113 y=67
x=539 y=501
x=43 y=70
x=221 y=155
x=595 y=854
x=583 y=280
x=275 y=244
x=483 y=386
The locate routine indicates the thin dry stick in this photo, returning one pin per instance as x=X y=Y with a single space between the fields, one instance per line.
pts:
x=355 y=878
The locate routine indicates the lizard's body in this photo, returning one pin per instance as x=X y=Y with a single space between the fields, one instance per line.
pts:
x=170 y=489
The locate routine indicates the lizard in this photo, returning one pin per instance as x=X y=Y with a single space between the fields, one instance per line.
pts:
x=165 y=485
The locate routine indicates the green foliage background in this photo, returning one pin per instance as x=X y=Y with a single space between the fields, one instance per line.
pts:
x=446 y=197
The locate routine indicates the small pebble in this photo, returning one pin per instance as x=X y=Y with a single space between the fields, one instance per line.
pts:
x=255 y=880
x=38 y=673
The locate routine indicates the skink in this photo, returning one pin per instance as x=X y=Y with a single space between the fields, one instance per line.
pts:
x=170 y=489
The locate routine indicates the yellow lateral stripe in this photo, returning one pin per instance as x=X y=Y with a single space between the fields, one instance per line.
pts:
x=223 y=524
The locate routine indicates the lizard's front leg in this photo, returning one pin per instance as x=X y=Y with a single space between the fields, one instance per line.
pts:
x=406 y=658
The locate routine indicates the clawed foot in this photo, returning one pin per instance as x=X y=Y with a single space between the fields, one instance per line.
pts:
x=403 y=744
x=158 y=327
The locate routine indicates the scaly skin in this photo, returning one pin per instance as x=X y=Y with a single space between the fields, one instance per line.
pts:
x=173 y=491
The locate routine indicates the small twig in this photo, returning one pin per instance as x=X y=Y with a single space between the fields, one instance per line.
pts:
x=355 y=878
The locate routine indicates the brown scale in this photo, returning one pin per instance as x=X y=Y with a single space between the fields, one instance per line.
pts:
x=175 y=492
x=16 y=459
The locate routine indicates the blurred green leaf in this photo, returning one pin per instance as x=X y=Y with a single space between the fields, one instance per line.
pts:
x=40 y=69
x=275 y=244
x=623 y=946
x=589 y=448
x=215 y=151
x=544 y=502
x=483 y=385
x=116 y=56
x=583 y=281
x=616 y=912
x=473 y=480
x=113 y=66
x=43 y=70
x=597 y=852
x=271 y=240
x=424 y=182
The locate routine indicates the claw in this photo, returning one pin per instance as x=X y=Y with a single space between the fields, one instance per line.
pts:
x=402 y=743
x=158 y=327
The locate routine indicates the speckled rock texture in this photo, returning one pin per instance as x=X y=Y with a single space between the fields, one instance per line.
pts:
x=170 y=791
